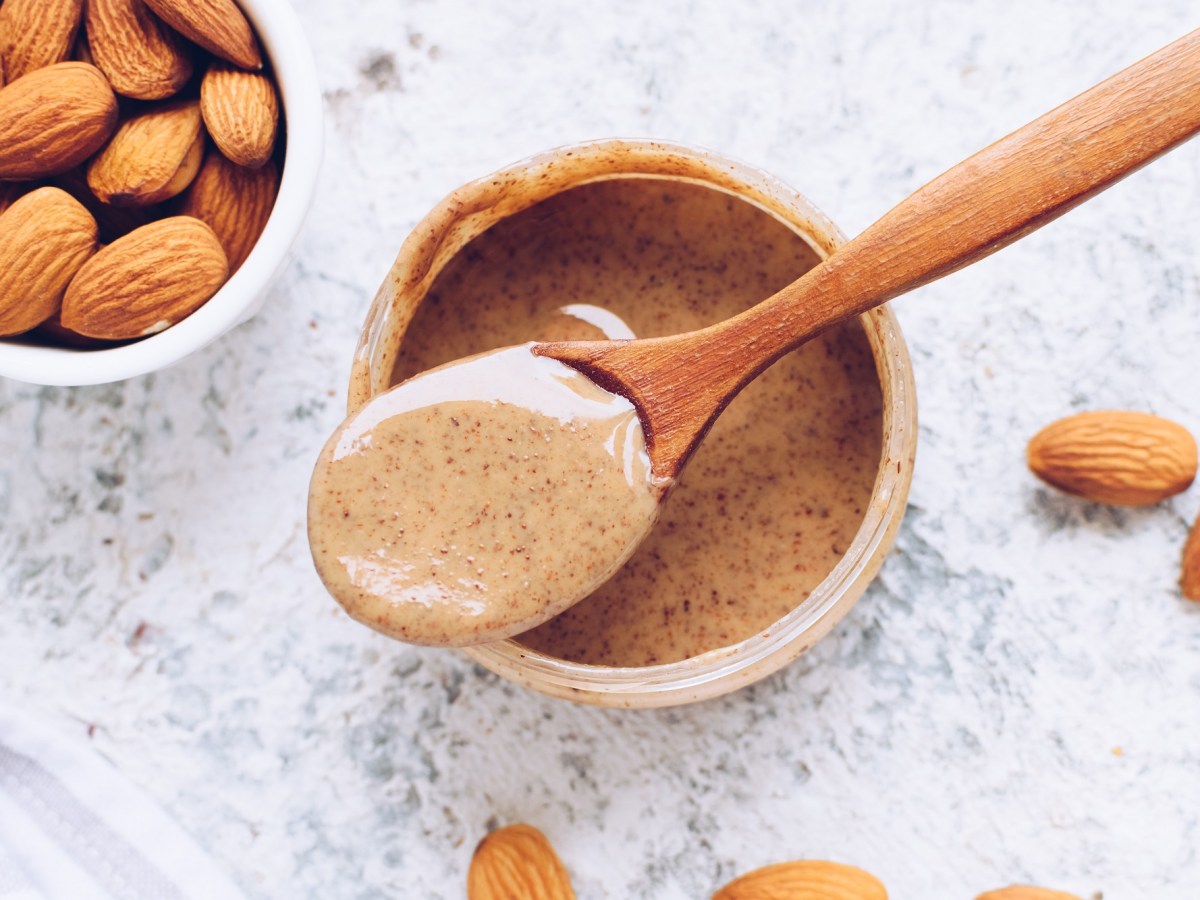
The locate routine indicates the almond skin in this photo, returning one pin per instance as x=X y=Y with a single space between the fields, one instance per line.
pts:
x=45 y=238
x=216 y=25
x=1122 y=458
x=141 y=56
x=151 y=158
x=234 y=201
x=517 y=862
x=37 y=33
x=241 y=112
x=1189 y=582
x=804 y=880
x=146 y=281
x=1024 y=892
x=53 y=119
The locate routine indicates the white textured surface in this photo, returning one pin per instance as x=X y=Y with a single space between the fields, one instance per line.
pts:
x=1016 y=698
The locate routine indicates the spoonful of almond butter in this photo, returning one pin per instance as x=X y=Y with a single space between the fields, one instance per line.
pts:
x=477 y=500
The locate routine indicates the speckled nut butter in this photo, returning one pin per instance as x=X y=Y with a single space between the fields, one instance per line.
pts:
x=786 y=511
x=480 y=498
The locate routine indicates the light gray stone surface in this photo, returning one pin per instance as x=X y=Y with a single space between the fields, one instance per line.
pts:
x=1017 y=698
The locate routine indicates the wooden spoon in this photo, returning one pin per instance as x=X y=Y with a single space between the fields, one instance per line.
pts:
x=418 y=577
x=680 y=384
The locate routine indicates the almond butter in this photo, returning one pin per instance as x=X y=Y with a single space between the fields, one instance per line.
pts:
x=216 y=25
x=53 y=119
x=517 y=862
x=804 y=880
x=1123 y=458
x=147 y=281
x=45 y=238
x=1024 y=892
x=241 y=112
x=1189 y=582
x=37 y=33
x=141 y=56
x=151 y=158
x=236 y=202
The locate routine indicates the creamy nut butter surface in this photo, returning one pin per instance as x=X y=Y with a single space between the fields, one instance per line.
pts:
x=479 y=498
x=773 y=497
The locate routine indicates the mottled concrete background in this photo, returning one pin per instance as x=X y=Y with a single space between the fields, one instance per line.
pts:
x=1016 y=698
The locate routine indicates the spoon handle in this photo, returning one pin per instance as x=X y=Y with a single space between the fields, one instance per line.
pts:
x=995 y=197
x=680 y=384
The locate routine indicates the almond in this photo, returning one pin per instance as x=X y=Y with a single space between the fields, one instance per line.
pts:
x=146 y=281
x=53 y=119
x=1024 y=892
x=234 y=201
x=1124 y=458
x=141 y=56
x=517 y=862
x=37 y=33
x=151 y=158
x=53 y=332
x=9 y=192
x=804 y=880
x=216 y=25
x=241 y=112
x=114 y=221
x=45 y=238
x=83 y=52
x=1190 y=580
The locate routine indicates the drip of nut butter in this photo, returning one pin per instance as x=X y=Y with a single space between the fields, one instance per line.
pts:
x=477 y=500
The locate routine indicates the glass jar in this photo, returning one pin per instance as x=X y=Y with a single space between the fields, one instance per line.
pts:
x=471 y=210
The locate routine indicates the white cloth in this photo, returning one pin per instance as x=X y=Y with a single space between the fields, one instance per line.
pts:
x=72 y=828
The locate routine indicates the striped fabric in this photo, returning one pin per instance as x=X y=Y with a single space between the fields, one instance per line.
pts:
x=71 y=828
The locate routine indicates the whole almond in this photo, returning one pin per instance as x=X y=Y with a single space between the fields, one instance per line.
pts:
x=1123 y=458
x=804 y=880
x=241 y=112
x=1024 y=892
x=216 y=25
x=151 y=157
x=146 y=281
x=37 y=33
x=236 y=202
x=517 y=862
x=1189 y=582
x=141 y=56
x=53 y=119
x=45 y=238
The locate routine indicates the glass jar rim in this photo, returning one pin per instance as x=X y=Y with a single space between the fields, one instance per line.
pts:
x=473 y=208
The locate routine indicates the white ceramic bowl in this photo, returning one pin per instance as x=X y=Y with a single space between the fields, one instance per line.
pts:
x=284 y=41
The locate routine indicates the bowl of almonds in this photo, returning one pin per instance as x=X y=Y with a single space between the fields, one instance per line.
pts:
x=157 y=159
